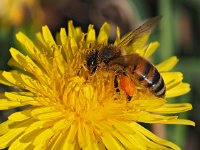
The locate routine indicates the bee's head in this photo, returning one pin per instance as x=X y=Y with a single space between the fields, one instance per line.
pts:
x=92 y=61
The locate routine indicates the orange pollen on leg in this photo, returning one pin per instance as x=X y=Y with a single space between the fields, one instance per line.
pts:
x=127 y=85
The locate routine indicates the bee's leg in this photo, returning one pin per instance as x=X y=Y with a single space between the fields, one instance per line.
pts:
x=118 y=72
x=116 y=85
x=128 y=97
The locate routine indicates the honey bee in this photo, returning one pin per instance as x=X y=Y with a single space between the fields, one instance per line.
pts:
x=110 y=57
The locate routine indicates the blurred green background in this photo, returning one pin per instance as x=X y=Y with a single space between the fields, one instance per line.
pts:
x=178 y=34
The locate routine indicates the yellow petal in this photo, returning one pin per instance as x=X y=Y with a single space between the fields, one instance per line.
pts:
x=13 y=63
x=18 y=144
x=4 y=81
x=55 y=142
x=153 y=137
x=73 y=46
x=62 y=124
x=71 y=30
x=168 y=64
x=18 y=57
x=146 y=104
x=43 y=136
x=40 y=110
x=171 y=79
x=105 y=126
x=15 y=78
x=91 y=35
x=41 y=42
x=121 y=126
x=153 y=118
x=82 y=136
x=17 y=96
x=59 y=143
x=143 y=142
x=117 y=40
x=68 y=50
x=173 y=108
x=178 y=90
x=60 y=62
x=57 y=39
x=4 y=127
x=6 y=104
x=151 y=48
x=28 y=82
x=49 y=115
x=40 y=146
x=20 y=116
x=111 y=142
x=46 y=115
x=79 y=34
x=36 y=125
x=125 y=141
x=104 y=34
x=63 y=36
x=29 y=65
x=140 y=42
x=68 y=141
x=6 y=139
x=181 y=122
x=91 y=140
x=22 y=98
x=136 y=141
x=48 y=36
x=28 y=45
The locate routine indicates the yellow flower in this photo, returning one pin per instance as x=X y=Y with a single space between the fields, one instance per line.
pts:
x=15 y=12
x=69 y=109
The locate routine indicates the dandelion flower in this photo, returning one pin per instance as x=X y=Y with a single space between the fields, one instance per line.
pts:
x=15 y=12
x=66 y=108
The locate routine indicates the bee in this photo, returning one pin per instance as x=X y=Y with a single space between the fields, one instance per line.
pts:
x=111 y=58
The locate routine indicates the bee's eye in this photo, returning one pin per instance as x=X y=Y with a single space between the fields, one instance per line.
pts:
x=92 y=63
x=92 y=60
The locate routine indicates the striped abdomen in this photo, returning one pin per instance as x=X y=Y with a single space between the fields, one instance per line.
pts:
x=148 y=76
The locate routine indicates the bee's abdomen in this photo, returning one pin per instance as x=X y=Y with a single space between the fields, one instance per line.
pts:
x=148 y=76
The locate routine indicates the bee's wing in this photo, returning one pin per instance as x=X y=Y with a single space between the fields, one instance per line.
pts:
x=146 y=27
x=126 y=60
